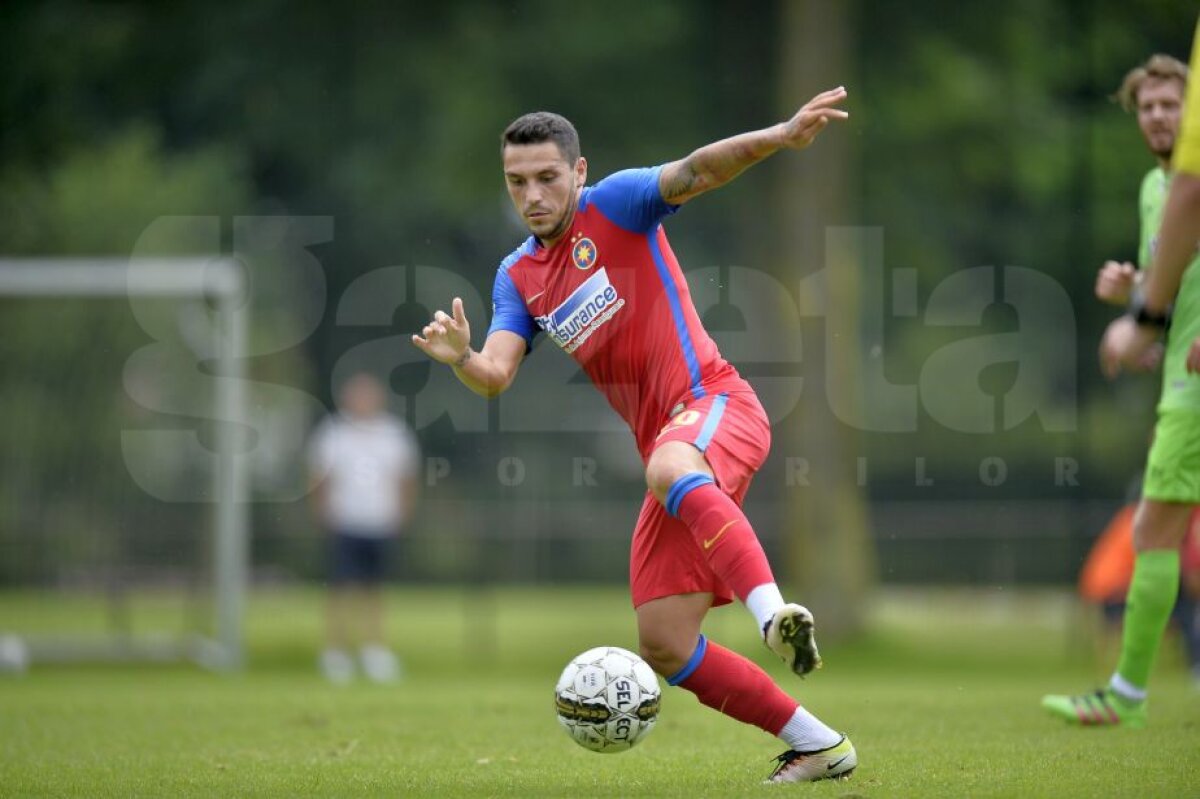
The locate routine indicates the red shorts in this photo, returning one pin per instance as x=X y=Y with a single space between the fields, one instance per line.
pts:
x=734 y=434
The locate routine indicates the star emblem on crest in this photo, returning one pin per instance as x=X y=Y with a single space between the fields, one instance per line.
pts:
x=584 y=253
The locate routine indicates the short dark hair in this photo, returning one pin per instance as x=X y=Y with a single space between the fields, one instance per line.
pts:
x=543 y=126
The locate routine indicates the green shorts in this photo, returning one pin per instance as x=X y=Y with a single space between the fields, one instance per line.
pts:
x=1173 y=468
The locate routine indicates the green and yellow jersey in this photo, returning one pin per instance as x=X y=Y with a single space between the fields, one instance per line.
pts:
x=1187 y=147
x=1180 y=390
x=1173 y=467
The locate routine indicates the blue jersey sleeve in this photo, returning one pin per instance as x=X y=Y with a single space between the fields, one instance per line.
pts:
x=631 y=199
x=509 y=311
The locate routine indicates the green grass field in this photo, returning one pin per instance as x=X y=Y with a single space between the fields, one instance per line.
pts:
x=941 y=699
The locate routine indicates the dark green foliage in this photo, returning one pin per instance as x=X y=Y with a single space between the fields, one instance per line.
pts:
x=981 y=138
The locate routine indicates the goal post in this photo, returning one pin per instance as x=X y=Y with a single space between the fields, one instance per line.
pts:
x=217 y=287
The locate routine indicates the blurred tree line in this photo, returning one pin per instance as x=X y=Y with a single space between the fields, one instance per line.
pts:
x=975 y=140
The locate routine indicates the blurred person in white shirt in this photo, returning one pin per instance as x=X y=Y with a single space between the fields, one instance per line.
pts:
x=363 y=465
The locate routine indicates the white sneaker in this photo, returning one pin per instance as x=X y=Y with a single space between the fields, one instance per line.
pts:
x=836 y=762
x=380 y=664
x=337 y=666
x=789 y=634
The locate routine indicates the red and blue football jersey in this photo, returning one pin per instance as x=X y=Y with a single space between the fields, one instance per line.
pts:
x=611 y=294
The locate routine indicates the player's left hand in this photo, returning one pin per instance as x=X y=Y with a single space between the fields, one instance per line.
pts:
x=811 y=119
x=1127 y=345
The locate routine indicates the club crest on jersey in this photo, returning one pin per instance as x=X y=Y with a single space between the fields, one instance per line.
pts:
x=580 y=315
x=584 y=253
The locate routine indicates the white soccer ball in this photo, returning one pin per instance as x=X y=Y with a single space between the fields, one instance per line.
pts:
x=607 y=699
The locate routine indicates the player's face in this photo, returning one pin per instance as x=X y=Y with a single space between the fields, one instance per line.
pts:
x=362 y=397
x=543 y=187
x=1159 y=110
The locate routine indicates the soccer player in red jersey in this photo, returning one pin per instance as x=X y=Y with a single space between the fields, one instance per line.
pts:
x=598 y=276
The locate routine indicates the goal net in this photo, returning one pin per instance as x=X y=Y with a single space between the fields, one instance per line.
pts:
x=122 y=508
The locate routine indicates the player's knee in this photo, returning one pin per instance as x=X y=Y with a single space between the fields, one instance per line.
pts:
x=670 y=463
x=660 y=476
x=665 y=654
x=658 y=480
x=1158 y=525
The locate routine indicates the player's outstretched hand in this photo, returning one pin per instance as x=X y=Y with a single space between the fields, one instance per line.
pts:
x=1127 y=345
x=445 y=338
x=813 y=116
x=1114 y=282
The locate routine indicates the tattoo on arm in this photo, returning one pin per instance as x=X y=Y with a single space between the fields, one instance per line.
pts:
x=681 y=183
x=715 y=165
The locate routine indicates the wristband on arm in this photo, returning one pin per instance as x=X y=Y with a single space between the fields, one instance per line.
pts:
x=1144 y=317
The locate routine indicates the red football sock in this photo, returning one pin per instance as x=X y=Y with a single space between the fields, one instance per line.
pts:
x=731 y=684
x=729 y=543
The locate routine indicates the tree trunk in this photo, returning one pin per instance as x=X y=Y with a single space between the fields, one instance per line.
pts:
x=829 y=558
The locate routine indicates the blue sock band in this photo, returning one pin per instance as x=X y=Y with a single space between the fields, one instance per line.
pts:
x=681 y=488
x=692 y=664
